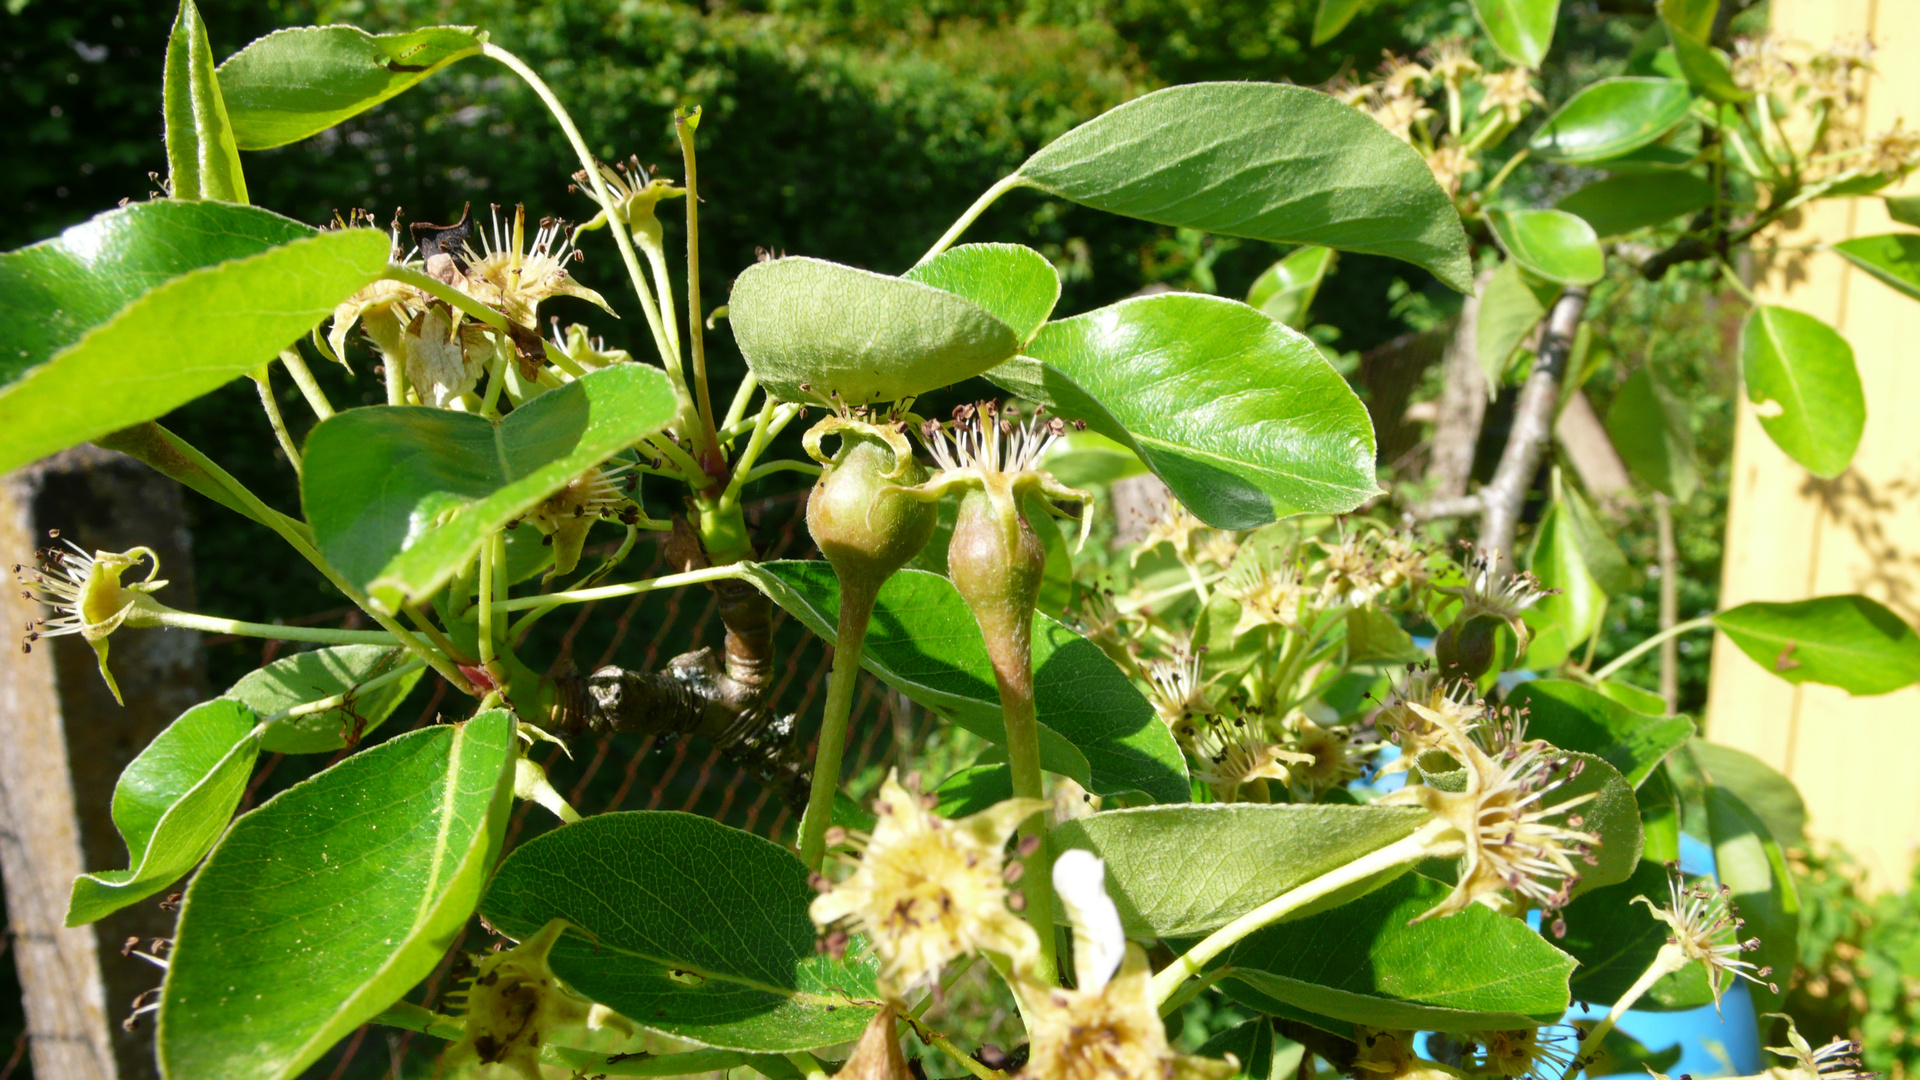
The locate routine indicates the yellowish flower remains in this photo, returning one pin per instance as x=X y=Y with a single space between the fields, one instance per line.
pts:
x=926 y=891
x=88 y=599
x=1706 y=930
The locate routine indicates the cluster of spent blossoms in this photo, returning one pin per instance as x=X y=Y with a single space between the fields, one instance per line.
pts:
x=1481 y=107
x=1809 y=114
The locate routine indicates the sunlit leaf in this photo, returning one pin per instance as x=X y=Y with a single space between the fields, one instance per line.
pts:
x=1331 y=17
x=1612 y=117
x=1285 y=290
x=1574 y=716
x=1801 y=376
x=1770 y=795
x=1623 y=203
x=1747 y=859
x=1521 y=29
x=1851 y=641
x=301 y=81
x=202 y=160
x=1893 y=258
x=1014 y=284
x=314 y=676
x=1551 y=244
x=1512 y=305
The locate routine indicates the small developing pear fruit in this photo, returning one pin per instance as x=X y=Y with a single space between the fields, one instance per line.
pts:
x=865 y=525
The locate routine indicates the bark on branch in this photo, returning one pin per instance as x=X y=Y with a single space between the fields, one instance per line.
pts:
x=1533 y=415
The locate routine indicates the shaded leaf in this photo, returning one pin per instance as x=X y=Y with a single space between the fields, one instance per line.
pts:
x=1551 y=244
x=1849 y=641
x=1573 y=716
x=923 y=641
x=1512 y=305
x=1331 y=17
x=1366 y=962
x=326 y=904
x=142 y=309
x=171 y=804
x=1014 y=284
x=315 y=675
x=1521 y=30
x=1634 y=697
x=1181 y=871
x=202 y=160
x=1610 y=118
x=1801 y=375
x=301 y=81
x=1284 y=291
x=1598 y=550
x=1262 y=161
x=1691 y=17
x=687 y=927
x=1081 y=458
x=1251 y=1043
x=1615 y=940
x=1649 y=428
x=1613 y=814
x=1620 y=204
x=1659 y=819
x=1894 y=258
x=1763 y=789
x=1748 y=860
x=400 y=497
x=867 y=337
x=973 y=789
x=1242 y=417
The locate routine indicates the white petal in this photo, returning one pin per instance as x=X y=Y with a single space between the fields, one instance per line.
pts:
x=1080 y=881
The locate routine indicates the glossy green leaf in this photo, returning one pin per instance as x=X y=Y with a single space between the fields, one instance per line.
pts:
x=326 y=904
x=1512 y=305
x=1648 y=425
x=1574 y=716
x=1615 y=940
x=1367 y=962
x=1262 y=161
x=923 y=642
x=1014 y=284
x=1849 y=641
x=1613 y=814
x=1748 y=860
x=1894 y=258
x=1242 y=417
x=1331 y=17
x=687 y=927
x=1617 y=205
x=1285 y=290
x=1550 y=244
x=142 y=309
x=1634 y=697
x=202 y=160
x=1610 y=118
x=866 y=337
x=1555 y=559
x=171 y=804
x=1659 y=819
x=973 y=789
x=323 y=673
x=1770 y=795
x=1181 y=871
x=1521 y=30
x=1904 y=209
x=401 y=497
x=299 y=82
x=1801 y=376
x=1251 y=1044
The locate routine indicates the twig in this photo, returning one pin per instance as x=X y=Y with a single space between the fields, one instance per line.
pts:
x=1450 y=507
x=1669 y=602
x=1532 y=429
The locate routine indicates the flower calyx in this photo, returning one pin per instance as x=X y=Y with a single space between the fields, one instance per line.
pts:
x=990 y=449
x=515 y=1001
x=1706 y=930
x=635 y=189
x=602 y=493
x=862 y=517
x=88 y=597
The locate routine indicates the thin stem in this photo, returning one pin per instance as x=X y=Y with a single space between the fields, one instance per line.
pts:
x=496 y=381
x=1012 y=656
x=742 y=397
x=1129 y=605
x=263 y=381
x=1193 y=988
x=485 y=603
x=609 y=592
x=966 y=1060
x=1653 y=642
x=1423 y=842
x=755 y=446
x=316 y=398
x=808 y=1065
x=337 y=700
x=856 y=608
x=696 y=476
x=1500 y=177
x=1732 y=277
x=761 y=472
x=1006 y=184
x=1665 y=962
x=696 y=333
x=1669 y=601
x=212 y=624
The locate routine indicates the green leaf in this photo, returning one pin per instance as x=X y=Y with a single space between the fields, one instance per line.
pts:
x=1748 y=860
x=1250 y=1043
x=1056 y=577
x=1634 y=697
x=1904 y=209
x=973 y=789
x=400 y=497
x=1555 y=559
x=1894 y=258
x=1512 y=305
x=142 y=309
x=1261 y=161
x=325 y=905
x=1573 y=716
x=1367 y=962
x=1014 y=284
x=1800 y=373
x=1707 y=69
x=323 y=673
x=1331 y=17
x=1083 y=458
x=1521 y=30
x=1613 y=815
x=867 y=337
x=923 y=642
x=1610 y=118
x=299 y=82
x=1691 y=17
x=1615 y=940
x=1242 y=417
x=171 y=804
x=1550 y=244
x=202 y=160
x=1373 y=637
x=1771 y=796
x=687 y=927
x=1181 y=871
x=1617 y=205
x=1648 y=426
x=1285 y=290
x=1598 y=550
x=1849 y=641
x=1659 y=818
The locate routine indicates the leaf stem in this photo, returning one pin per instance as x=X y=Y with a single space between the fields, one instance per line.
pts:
x=263 y=381
x=1732 y=277
x=742 y=397
x=696 y=328
x=296 y=366
x=485 y=603
x=1500 y=177
x=759 y=472
x=336 y=700
x=856 y=609
x=1665 y=962
x=987 y=198
x=609 y=592
x=808 y=1065
x=1651 y=643
x=1422 y=843
x=213 y=624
